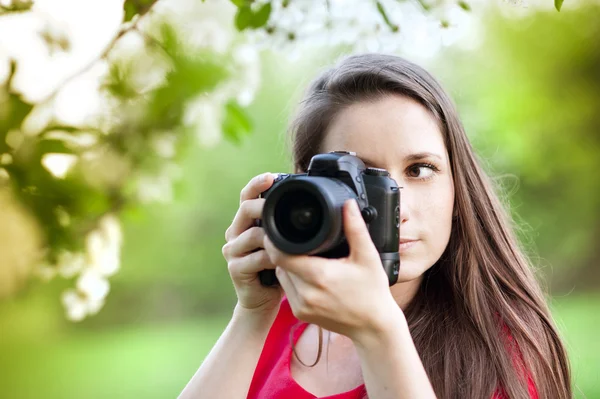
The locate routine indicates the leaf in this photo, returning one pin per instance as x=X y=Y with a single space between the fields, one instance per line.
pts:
x=119 y=81
x=261 y=17
x=236 y=122
x=243 y=18
x=464 y=5
x=558 y=4
x=246 y=18
x=130 y=11
x=135 y=7
x=385 y=17
x=14 y=111
x=53 y=146
x=241 y=3
x=16 y=6
x=424 y=5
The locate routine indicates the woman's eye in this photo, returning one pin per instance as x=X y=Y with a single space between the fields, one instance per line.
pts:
x=421 y=171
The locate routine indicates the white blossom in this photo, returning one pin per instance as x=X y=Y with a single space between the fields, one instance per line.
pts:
x=158 y=187
x=78 y=305
x=164 y=145
x=58 y=164
x=74 y=304
x=100 y=260
x=206 y=115
x=104 y=247
x=70 y=264
x=154 y=188
x=247 y=81
x=210 y=34
x=93 y=285
x=306 y=24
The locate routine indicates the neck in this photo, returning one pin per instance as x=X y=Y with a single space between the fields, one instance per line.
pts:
x=405 y=291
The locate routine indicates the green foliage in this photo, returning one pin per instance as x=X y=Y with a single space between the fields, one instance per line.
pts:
x=246 y=17
x=236 y=123
x=558 y=4
x=16 y=6
x=132 y=8
x=12 y=109
x=103 y=178
x=533 y=111
x=390 y=24
x=464 y=5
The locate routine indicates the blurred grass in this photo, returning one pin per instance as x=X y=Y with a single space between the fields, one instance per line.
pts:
x=578 y=318
x=156 y=361
x=150 y=362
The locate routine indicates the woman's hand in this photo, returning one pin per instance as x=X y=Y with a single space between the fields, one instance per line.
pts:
x=349 y=296
x=245 y=254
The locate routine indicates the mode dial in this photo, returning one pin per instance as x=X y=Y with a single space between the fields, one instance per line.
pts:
x=343 y=152
x=376 y=172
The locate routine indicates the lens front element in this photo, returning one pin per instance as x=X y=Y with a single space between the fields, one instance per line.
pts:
x=298 y=216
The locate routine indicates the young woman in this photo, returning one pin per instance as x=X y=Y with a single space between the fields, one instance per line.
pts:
x=467 y=318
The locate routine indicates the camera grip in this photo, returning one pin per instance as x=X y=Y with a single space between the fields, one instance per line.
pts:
x=268 y=278
x=389 y=260
x=391 y=265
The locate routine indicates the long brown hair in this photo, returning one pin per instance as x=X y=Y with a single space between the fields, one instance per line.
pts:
x=479 y=307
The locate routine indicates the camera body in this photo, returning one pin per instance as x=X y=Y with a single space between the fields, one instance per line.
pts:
x=302 y=214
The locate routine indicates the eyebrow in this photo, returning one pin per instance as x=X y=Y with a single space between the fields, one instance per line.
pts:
x=409 y=158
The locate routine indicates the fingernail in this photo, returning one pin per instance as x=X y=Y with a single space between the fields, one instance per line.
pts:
x=264 y=177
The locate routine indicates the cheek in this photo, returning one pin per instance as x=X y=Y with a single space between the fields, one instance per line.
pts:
x=433 y=214
x=439 y=207
x=431 y=209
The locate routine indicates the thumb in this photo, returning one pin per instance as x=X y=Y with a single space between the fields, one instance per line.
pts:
x=362 y=249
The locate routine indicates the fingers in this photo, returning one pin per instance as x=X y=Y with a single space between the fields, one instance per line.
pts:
x=250 y=205
x=246 y=242
x=256 y=186
x=250 y=264
x=286 y=283
x=362 y=249
x=248 y=211
x=303 y=298
x=308 y=268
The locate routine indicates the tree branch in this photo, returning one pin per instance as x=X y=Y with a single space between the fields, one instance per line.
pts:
x=107 y=49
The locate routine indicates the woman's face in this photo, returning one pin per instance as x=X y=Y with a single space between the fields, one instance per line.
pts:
x=400 y=135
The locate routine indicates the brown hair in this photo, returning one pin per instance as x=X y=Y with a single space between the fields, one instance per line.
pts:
x=479 y=318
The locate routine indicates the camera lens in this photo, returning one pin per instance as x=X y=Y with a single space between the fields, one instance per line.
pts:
x=303 y=214
x=298 y=216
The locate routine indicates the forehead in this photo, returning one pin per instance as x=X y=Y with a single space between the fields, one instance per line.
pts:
x=385 y=129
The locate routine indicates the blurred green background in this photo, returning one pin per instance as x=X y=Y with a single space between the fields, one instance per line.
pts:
x=530 y=98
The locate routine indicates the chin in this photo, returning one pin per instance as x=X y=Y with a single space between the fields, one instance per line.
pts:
x=410 y=271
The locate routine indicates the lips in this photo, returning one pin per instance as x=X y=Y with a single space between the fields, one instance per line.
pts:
x=405 y=240
x=406 y=243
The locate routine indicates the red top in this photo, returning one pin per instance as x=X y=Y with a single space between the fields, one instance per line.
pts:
x=273 y=379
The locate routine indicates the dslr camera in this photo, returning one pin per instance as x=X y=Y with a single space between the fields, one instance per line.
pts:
x=302 y=214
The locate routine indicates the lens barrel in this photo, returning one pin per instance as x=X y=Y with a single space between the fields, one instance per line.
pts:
x=303 y=214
